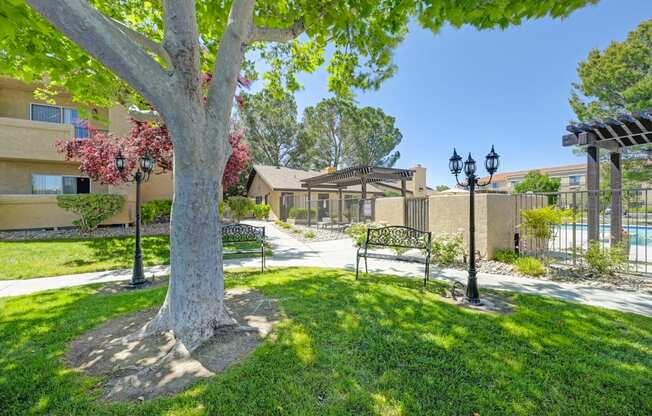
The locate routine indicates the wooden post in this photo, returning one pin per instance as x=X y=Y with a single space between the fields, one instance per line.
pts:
x=616 y=198
x=593 y=189
x=339 y=204
x=363 y=183
x=403 y=190
x=309 y=205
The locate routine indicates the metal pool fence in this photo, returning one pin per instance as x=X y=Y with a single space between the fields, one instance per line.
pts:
x=569 y=240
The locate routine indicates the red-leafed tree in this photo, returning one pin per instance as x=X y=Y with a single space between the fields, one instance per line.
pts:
x=97 y=154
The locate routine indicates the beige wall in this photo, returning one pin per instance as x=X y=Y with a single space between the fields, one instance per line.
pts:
x=158 y=187
x=390 y=210
x=449 y=214
x=16 y=175
x=41 y=211
x=418 y=183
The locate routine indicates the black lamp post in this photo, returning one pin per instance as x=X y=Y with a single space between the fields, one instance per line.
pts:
x=144 y=168
x=456 y=166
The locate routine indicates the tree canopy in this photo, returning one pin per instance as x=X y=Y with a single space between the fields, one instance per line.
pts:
x=361 y=35
x=373 y=139
x=536 y=182
x=272 y=128
x=614 y=81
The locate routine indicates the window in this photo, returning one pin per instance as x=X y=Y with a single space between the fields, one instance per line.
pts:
x=61 y=115
x=574 y=180
x=514 y=183
x=55 y=184
x=259 y=200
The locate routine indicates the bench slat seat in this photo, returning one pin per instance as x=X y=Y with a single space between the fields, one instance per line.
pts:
x=245 y=233
x=396 y=236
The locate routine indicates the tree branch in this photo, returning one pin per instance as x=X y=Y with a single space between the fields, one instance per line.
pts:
x=143 y=40
x=229 y=61
x=94 y=32
x=181 y=41
x=266 y=34
x=145 y=115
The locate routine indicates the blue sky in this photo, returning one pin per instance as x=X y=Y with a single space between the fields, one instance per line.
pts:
x=470 y=89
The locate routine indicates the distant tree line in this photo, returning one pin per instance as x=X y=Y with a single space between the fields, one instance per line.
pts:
x=333 y=133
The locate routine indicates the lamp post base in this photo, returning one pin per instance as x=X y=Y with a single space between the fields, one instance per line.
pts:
x=138 y=284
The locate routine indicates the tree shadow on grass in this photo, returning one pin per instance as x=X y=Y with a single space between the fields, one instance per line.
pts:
x=381 y=345
x=120 y=251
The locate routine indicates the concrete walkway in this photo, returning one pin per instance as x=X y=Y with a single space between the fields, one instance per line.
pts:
x=287 y=251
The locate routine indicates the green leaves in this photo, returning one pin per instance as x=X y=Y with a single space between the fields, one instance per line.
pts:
x=362 y=35
x=93 y=209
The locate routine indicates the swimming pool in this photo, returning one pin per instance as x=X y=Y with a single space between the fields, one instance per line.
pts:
x=639 y=235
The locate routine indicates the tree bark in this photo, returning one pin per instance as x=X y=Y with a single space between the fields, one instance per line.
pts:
x=194 y=304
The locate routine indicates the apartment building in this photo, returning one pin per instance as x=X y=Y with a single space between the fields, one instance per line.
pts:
x=32 y=172
x=572 y=177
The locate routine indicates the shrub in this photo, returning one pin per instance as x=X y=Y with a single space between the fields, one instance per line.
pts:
x=283 y=224
x=93 y=209
x=239 y=206
x=540 y=222
x=157 y=210
x=302 y=213
x=447 y=249
x=601 y=261
x=506 y=255
x=530 y=266
x=309 y=235
x=358 y=232
x=399 y=251
x=261 y=211
x=221 y=208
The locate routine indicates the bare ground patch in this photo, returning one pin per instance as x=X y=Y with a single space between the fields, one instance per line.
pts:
x=148 y=367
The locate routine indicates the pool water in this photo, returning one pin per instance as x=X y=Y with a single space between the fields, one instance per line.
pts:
x=639 y=235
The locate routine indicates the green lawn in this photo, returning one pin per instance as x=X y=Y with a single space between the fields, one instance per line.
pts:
x=379 y=346
x=29 y=259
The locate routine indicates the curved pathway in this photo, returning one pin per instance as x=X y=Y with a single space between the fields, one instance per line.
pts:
x=288 y=251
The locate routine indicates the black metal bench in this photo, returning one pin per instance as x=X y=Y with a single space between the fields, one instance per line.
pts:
x=396 y=236
x=245 y=233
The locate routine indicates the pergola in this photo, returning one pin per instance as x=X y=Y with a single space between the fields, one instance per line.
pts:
x=361 y=175
x=612 y=134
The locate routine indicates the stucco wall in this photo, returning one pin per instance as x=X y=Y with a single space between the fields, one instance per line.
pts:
x=449 y=214
x=158 y=187
x=16 y=175
x=390 y=210
x=41 y=211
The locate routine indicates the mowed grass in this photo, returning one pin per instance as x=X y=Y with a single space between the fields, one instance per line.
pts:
x=378 y=346
x=30 y=259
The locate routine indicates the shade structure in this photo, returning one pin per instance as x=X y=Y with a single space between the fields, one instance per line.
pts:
x=612 y=134
x=360 y=175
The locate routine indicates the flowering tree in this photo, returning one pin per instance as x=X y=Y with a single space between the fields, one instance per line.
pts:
x=97 y=154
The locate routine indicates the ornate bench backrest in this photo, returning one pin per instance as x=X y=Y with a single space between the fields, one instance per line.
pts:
x=398 y=236
x=234 y=233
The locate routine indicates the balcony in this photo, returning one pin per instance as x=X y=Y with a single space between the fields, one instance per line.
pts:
x=31 y=140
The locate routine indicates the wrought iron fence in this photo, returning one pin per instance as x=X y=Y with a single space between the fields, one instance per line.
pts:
x=568 y=241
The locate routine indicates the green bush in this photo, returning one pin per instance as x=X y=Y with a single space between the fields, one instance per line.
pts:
x=358 y=232
x=93 y=209
x=302 y=213
x=157 y=210
x=447 y=249
x=240 y=207
x=399 y=251
x=506 y=255
x=283 y=224
x=221 y=208
x=309 y=235
x=261 y=211
x=530 y=266
x=605 y=261
x=540 y=222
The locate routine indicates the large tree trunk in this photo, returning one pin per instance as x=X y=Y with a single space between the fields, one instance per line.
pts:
x=194 y=305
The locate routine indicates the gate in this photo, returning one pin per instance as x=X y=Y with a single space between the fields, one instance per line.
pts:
x=416 y=213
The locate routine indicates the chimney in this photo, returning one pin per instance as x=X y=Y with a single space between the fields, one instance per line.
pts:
x=418 y=183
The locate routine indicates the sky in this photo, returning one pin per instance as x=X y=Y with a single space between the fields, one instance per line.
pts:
x=470 y=89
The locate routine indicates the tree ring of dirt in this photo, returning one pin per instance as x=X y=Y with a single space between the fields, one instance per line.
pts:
x=149 y=367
